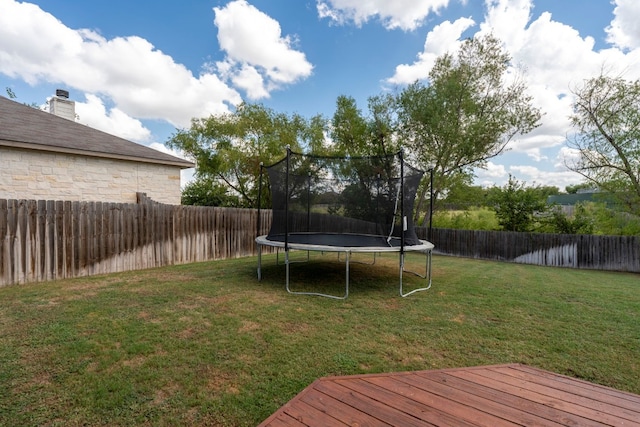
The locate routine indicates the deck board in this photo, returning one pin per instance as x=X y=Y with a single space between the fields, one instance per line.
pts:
x=564 y=400
x=500 y=395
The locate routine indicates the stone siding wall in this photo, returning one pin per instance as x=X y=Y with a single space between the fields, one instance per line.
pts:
x=29 y=174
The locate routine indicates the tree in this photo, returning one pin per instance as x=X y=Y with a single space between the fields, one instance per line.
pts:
x=517 y=205
x=464 y=196
x=229 y=148
x=606 y=116
x=12 y=95
x=559 y=222
x=465 y=115
x=205 y=192
x=357 y=135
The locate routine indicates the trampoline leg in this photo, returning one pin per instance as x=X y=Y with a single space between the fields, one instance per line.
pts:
x=427 y=274
x=278 y=257
x=286 y=263
x=259 y=262
x=346 y=292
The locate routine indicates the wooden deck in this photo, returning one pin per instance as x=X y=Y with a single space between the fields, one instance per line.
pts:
x=502 y=395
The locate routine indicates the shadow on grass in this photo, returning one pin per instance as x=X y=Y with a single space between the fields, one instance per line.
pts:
x=326 y=273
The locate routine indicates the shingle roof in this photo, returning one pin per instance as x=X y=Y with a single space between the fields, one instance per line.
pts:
x=29 y=128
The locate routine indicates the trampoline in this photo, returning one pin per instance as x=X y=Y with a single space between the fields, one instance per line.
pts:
x=344 y=205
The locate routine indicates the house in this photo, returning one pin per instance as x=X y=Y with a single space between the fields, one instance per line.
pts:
x=47 y=156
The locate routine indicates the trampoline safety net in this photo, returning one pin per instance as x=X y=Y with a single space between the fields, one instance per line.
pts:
x=361 y=196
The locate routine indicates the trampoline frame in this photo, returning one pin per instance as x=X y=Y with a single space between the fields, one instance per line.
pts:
x=424 y=247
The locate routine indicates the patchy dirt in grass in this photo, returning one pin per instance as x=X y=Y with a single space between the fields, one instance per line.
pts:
x=218 y=381
x=165 y=393
x=391 y=304
x=135 y=362
x=249 y=326
x=40 y=379
x=92 y=285
x=186 y=334
x=460 y=319
x=148 y=317
x=296 y=328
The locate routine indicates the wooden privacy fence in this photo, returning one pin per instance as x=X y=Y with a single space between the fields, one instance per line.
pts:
x=616 y=253
x=48 y=240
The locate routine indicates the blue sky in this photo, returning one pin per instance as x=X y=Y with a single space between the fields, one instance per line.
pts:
x=140 y=69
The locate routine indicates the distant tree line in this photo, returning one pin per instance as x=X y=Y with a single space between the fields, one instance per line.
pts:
x=517 y=206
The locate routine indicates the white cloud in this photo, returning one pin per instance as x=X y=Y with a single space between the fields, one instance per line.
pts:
x=497 y=174
x=444 y=38
x=162 y=148
x=139 y=79
x=566 y=156
x=404 y=14
x=249 y=79
x=535 y=176
x=259 y=59
x=555 y=59
x=506 y=19
x=493 y=170
x=624 y=31
x=93 y=113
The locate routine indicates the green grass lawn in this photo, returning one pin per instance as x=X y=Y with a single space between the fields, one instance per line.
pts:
x=207 y=344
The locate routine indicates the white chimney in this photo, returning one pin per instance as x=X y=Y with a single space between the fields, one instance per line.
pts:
x=61 y=106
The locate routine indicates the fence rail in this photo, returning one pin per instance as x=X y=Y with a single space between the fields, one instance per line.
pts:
x=48 y=240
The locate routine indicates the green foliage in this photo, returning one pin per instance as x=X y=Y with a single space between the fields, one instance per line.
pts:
x=607 y=122
x=461 y=195
x=559 y=222
x=587 y=218
x=610 y=222
x=466 y=115
x=472 y=208
x=357 y=135
x=474 y=218
x=206 y=192
x=517 y=205
x=229 y=148
x=10 y=93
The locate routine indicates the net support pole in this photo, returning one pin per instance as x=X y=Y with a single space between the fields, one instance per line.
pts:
x=402 y=220
x=430 y=204
x=286 y=206
x=259 y=222
x=309 y=201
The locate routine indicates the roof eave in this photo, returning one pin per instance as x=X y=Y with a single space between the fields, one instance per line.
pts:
x=183 y=164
